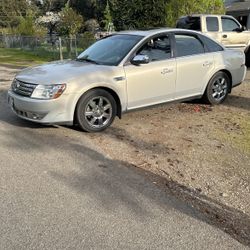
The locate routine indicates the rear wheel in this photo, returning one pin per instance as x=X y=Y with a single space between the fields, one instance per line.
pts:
x=217 y=88
x=96 y=110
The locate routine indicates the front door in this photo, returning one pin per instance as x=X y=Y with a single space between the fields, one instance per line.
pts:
x=231 y=35
x=152 y=83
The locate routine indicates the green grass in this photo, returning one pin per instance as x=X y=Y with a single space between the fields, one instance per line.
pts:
x=43 y=53
x=240 y=137
x=19 y=57
x=243 y=139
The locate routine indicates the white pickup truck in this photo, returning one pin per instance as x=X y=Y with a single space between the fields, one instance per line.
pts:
x=223 y=28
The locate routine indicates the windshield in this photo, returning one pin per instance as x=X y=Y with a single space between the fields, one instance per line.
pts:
x=110 y=50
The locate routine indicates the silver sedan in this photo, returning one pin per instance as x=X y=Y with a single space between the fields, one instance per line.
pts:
x=126 y=71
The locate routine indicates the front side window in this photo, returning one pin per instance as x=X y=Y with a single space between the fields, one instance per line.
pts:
x=187 y=45
x=229 y=24
x=157 y=49
x=212 y=24
x=110 y=50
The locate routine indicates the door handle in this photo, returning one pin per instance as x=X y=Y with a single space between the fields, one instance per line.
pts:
x=207 y=64
x=167 y=71
x=224 y=36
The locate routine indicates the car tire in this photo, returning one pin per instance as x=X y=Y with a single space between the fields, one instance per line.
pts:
x=217 y=89
x=96 y=110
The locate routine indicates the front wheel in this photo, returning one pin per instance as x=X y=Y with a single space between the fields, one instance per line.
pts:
x=217 y=89
x=95 y=110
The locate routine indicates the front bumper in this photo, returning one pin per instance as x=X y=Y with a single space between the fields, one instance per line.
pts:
x=56 y=111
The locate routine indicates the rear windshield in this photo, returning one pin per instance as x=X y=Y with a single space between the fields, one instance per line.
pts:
x=190 y=23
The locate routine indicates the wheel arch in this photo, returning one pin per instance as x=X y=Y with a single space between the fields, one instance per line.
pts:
x=207 y=96
x=247 y=55
x=227 y=72
x=110 y=91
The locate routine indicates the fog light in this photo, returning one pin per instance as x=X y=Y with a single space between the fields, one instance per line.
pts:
x=36 y=116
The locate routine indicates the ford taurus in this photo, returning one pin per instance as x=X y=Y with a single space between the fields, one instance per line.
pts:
x=126 y=71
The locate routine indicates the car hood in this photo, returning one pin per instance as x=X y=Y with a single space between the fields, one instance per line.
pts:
x=59 y=72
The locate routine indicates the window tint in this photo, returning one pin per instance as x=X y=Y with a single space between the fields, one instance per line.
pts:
x=157 y=49
x=212 y=24
x=190 y=23
x=229 y=24
x=211 y=45
x=188 y=45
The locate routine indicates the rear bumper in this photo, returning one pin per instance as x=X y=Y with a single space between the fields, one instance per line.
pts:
x=238 y=75
x=235 y=85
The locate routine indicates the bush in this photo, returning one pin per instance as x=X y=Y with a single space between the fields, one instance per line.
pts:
x=26 y=25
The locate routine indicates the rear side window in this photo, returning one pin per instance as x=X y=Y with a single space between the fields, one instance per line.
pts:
x=212 y=46
x=190 y=23
x=212 y=24
x=187 y=45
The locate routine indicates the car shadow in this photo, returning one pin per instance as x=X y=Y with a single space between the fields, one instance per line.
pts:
x=228 y=219
x=240 y=102
x=117 y=185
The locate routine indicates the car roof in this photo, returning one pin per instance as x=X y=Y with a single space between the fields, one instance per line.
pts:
x=152 y=32
x=204 y=15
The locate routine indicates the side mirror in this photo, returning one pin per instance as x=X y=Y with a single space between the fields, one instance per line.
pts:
x=239 y=29
x=140 y=59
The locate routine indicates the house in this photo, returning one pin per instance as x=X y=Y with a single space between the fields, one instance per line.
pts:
x=240 y=10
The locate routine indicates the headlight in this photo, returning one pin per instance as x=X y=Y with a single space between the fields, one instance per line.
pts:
x=48 y=91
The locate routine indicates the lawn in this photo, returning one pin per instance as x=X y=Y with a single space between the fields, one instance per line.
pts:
x=19 y=57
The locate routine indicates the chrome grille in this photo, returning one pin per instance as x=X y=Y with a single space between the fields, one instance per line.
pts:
x=23 y=88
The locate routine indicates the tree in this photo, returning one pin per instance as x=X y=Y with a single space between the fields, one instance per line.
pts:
x=12 y=10
x=176 y=9
x=86 y=8
x=49 y=5
x=140 y=14
x=50 y=20
x=71 y=22
x=26 y=25
x=108 y=20
x=91 y=25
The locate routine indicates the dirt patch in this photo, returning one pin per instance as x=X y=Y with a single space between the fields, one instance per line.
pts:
x=192 y=144
x=200 y=151
x=198 y=147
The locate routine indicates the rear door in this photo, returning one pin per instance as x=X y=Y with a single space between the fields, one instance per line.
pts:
x=194 y=66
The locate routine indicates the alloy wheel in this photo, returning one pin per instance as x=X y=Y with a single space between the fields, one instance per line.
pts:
x=98 y=112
